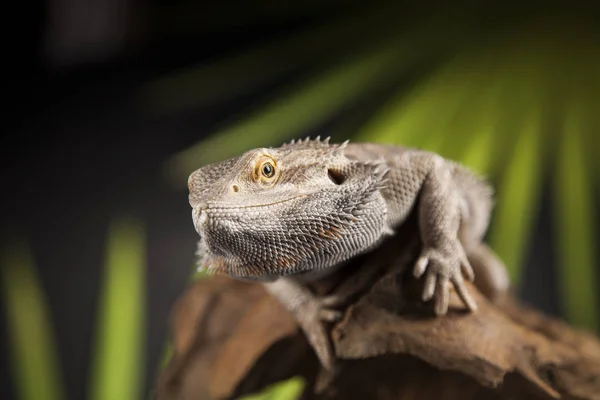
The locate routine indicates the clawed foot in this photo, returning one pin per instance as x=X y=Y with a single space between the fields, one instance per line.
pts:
x=442 y=267
x=311 y=313
x=312 y=319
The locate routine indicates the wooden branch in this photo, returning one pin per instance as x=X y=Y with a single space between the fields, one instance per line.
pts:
x=231 y=338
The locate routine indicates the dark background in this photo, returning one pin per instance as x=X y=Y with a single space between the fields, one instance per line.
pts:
x=79 y=149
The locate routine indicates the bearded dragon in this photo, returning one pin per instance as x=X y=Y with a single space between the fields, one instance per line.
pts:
x=294 y=214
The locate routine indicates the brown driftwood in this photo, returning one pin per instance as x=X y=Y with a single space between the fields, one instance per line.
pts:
x=231 y=338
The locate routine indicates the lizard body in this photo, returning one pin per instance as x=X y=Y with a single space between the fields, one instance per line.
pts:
x=290 y=215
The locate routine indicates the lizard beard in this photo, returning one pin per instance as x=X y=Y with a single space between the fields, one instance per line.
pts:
x=262 y=243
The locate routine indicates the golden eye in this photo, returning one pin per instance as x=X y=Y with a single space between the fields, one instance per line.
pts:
x=268 y=169
x=265 y=170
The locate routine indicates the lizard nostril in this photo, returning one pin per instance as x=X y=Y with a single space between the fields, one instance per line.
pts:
x=236 y=188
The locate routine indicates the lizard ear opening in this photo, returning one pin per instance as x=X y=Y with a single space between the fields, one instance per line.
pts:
x=336 y=176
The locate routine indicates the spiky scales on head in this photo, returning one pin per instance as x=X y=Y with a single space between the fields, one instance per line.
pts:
x=282 y=211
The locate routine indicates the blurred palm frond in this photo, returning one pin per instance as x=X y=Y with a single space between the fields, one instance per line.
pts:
x=576 y=229
x=118 y=361
x=290 y=389
x=303 y=106
x=33 y=353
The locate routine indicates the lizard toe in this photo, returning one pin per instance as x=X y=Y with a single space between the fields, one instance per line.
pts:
x=442 y=294
x=429 y=287
x=463 y=293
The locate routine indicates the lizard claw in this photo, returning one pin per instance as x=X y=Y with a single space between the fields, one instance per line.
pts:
x=329 y=315
x=440 y=269
x=334 y=301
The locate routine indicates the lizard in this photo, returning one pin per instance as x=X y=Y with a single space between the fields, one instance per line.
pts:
x=294 y=214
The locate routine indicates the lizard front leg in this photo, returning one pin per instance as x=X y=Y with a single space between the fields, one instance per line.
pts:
x=310 y=313
x=443 y=260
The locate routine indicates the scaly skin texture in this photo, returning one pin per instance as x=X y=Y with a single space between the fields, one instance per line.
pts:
x=296 y=213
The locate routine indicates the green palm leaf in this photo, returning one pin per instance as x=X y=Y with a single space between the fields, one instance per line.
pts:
x=286 y=390
x=35 y=364
x=248 y=70
x=118 y=357
x=575 y=224
x=518 y=197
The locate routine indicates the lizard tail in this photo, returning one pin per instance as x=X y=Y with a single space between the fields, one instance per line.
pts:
x=491 y=277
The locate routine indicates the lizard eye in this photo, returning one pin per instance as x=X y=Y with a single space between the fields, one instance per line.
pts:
x=268 y=170
x=265 y=170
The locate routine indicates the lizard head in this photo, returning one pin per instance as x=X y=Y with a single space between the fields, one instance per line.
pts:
x=282 y=211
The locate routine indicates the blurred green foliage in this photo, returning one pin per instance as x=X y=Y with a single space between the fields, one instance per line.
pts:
x=118 y=362
x=517 y=104
x=287 y=390
x=32 y=349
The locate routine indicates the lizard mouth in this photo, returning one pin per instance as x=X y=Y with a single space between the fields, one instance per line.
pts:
x=199 y=215
x=245 y=207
